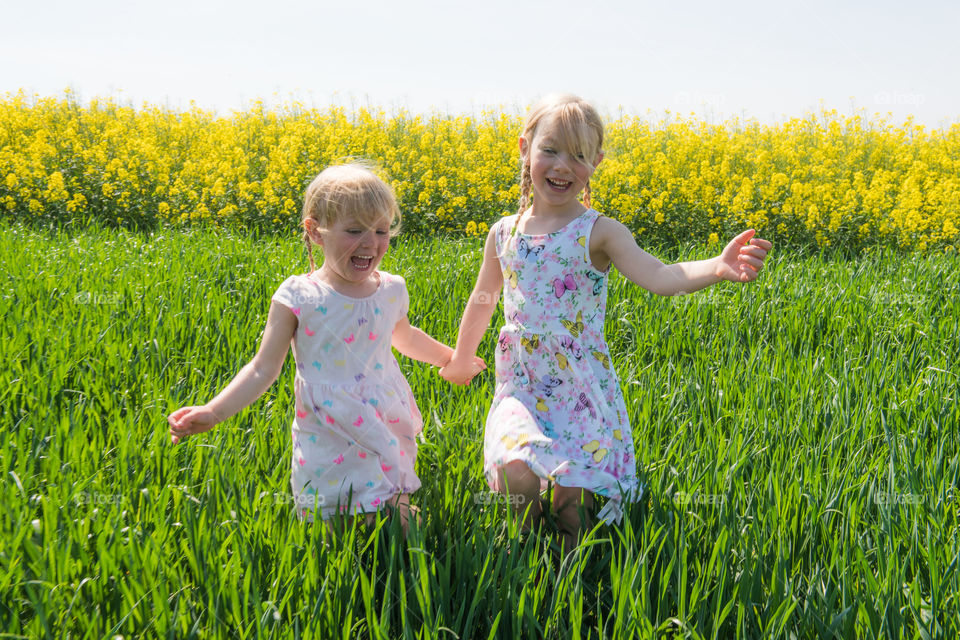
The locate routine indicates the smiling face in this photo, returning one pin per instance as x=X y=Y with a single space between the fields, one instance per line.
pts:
x=559 y=166
x=351 y=213
x=352 y=252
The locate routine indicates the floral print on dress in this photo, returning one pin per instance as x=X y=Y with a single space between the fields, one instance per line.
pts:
x=355 y=425
x=558 y=406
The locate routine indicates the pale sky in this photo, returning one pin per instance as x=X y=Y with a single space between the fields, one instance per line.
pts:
x=762 y=60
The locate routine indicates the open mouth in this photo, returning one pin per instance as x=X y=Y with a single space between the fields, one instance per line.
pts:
x=559 y=185
x=361 y=263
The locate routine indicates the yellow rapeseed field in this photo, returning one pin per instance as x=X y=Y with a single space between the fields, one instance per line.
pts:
x=821 y=180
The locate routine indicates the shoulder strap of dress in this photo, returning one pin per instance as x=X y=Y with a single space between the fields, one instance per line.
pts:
x=587 y=222
x=502 y=228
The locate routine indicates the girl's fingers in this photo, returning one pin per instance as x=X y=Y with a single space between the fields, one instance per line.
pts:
x=177 y=417
x=183 y=425
x=751 y=255
x=744 y=236
x=464 y=376
x=753 y=250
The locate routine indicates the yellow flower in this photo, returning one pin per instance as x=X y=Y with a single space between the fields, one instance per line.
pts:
x=832 y=180
x=949 y=229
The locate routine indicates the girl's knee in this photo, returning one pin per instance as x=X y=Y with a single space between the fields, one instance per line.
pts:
x=516 y=477
x=571 y=504
x=574 y=496
x=522 y=487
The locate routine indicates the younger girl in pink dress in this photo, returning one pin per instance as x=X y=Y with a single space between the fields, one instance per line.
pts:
x=355 y=424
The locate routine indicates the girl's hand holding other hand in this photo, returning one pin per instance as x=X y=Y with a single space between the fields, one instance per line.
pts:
x=462 y=369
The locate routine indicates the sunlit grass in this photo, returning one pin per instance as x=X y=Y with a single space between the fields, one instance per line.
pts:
x=798 y=440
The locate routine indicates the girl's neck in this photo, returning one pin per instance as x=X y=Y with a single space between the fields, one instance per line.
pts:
x=536 y=221
x=360 y=289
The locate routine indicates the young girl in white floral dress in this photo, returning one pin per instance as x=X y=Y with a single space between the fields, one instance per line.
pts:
x=558 y=415
x=355 y=424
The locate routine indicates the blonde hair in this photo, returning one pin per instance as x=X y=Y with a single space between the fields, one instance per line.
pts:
x=581 y=134
x=348 y=190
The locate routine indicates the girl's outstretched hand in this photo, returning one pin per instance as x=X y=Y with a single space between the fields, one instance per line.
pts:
x=461 y=370
x=742 y=259
x=187 y=421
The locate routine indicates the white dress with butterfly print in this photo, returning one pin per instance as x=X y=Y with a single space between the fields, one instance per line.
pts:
x=558 y=406
x=356 y=422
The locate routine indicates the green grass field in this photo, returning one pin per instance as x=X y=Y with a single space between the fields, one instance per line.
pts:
x=798 y=438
